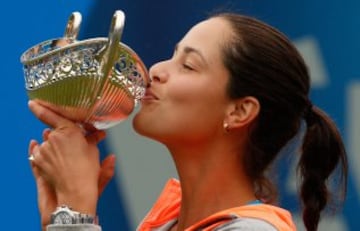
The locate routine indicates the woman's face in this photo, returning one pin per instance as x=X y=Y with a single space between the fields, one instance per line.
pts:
x=187 y=98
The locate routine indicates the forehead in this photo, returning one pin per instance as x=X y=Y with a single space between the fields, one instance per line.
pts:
x=208 y=37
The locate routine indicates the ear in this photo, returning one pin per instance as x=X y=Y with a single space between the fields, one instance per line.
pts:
x=241 y=112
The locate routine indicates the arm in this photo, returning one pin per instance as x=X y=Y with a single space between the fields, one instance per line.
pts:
x=81 y=227
x=66 y=165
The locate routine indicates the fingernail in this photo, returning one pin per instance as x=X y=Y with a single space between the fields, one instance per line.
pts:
x=30 y=103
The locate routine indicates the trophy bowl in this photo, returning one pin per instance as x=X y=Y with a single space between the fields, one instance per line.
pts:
x=95 y=82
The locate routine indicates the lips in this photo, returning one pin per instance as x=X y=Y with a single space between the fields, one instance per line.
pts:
x=149 y=95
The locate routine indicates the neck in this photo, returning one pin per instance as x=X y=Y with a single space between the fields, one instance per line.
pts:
x=212 y=179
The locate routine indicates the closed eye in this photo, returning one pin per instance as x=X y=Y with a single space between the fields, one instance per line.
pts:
x=188 y=67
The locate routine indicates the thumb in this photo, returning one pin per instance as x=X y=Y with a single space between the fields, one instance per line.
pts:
x=106 y=172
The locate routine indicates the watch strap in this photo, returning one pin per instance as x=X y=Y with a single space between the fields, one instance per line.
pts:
x=76 y=217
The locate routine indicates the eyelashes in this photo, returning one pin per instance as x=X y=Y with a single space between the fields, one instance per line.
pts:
x=187 y=67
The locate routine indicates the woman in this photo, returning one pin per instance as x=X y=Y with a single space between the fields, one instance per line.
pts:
x=233 y=94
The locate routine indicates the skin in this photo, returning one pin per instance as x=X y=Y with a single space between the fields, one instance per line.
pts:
x=58 y=176
x=185 y=108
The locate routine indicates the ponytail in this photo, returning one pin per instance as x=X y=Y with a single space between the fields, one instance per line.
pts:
x=263 y=63
x=322 y=151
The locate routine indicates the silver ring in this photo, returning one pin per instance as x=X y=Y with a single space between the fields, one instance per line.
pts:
x=31 y=157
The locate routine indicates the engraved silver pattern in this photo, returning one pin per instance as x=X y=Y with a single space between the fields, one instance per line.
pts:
x=96 y=81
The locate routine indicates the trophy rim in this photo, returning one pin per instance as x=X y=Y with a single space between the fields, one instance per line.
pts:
x=73 y=43
x=26 y=60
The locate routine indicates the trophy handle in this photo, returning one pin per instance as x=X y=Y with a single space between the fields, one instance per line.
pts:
x=108 y=58
x=112 y=51
x=73 y=26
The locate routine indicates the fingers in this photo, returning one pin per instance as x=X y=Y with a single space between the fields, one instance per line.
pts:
x=47 y=116
x=40 y=158
x=107 y=172
x=62 y=124
x=96 y=136
x=33 y=152
x=46 y=133
x=32 y=145
x=89 y=127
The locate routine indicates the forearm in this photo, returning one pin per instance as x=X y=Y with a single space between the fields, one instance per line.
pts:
x=74 y=227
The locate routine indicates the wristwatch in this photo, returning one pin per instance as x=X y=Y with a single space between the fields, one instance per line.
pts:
x=65 y=215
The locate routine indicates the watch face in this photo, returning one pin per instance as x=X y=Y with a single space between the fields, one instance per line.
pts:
x=62 y=218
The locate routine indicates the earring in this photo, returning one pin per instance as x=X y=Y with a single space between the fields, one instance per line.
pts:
x=226 y=127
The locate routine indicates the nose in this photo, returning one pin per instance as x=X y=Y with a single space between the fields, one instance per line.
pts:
x=158 y=72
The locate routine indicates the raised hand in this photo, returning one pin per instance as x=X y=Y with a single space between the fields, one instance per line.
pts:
x=66 y=165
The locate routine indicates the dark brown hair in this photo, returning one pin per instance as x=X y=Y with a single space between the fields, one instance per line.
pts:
x=264 y=64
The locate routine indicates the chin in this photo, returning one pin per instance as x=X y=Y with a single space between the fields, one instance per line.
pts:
x=136 y=123
x=147 y=128
x=141 y=126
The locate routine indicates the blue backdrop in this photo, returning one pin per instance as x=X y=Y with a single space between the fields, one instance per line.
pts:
x=325 y=31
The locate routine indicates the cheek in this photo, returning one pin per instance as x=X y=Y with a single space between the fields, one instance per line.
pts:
x=188 y=111
x=196 y=107
x=192 y=92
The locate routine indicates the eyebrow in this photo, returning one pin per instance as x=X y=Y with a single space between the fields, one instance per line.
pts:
x=188 y=50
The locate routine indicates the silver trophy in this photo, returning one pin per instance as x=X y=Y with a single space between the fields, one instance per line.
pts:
x=96 y=81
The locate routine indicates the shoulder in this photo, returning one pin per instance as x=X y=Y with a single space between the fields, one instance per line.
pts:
x=246 y=224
